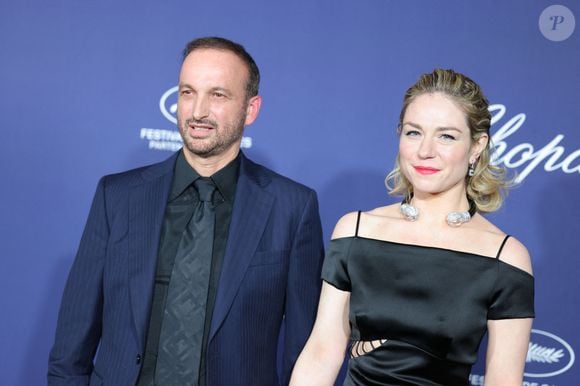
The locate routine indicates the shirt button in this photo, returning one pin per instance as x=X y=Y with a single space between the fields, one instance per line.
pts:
x=138 y=359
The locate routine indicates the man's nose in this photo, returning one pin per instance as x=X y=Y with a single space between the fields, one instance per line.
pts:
x=200 y=108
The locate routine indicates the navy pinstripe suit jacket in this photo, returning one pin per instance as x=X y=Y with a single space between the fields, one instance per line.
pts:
x=270 y=272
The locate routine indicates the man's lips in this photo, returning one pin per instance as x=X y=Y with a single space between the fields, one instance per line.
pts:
x=426 y=170
x=201 y=125
x=199 y=132
x=199 y=129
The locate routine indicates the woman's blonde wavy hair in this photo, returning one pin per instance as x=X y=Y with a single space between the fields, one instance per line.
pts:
x=488 y=186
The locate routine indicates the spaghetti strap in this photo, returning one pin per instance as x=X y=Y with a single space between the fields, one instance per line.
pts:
x=357 y=223
x=501 y=246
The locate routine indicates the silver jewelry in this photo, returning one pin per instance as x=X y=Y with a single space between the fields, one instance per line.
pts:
x=471 y=169
x=454 y=219
x=409 y=211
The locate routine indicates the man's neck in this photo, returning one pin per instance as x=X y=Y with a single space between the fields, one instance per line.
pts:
x=207 y=166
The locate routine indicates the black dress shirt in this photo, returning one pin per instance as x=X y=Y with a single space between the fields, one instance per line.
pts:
x=180 y=205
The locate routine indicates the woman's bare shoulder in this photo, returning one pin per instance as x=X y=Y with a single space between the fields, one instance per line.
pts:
x=385 y=212
x=514 y=252
x=347 y=224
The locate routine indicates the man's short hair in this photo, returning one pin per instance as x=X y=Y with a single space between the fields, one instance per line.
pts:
x=218 y=43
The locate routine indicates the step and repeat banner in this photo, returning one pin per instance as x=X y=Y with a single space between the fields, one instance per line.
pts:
x=87 y=88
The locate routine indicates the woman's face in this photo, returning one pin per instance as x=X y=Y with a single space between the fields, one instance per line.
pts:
x=435 y=145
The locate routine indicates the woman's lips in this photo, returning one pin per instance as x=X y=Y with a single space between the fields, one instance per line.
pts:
x=426 y=170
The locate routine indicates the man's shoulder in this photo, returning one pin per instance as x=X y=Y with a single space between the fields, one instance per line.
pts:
x=139 y=174
x=275 y=180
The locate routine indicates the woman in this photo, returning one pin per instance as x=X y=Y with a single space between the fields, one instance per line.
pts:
x=414 y=286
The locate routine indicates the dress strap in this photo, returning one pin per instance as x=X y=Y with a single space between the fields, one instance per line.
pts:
x=501 y=246
x=357 y=223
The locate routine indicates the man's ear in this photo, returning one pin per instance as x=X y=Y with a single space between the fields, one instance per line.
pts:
x=253 y=109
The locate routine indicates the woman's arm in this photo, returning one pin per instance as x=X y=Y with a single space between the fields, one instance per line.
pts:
x=508 y=339
x=323 y=355
x=507 y=348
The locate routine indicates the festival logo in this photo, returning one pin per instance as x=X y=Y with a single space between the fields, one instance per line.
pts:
x=168 y=104
x=170 y=140
x=548 y=355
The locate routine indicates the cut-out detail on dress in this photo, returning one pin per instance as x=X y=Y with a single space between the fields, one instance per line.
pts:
x=361 y=347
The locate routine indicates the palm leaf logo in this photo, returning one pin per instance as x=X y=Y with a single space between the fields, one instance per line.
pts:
x=537 y=353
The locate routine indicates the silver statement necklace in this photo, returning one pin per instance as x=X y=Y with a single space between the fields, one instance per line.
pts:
x=454 y=219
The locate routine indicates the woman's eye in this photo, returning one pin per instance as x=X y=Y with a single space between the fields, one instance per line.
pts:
x=412 y=133
x=448 y=137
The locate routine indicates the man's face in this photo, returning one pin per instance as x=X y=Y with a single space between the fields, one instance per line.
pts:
x=212 y=106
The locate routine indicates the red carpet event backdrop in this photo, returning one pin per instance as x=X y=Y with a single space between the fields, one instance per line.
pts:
x=88 y=88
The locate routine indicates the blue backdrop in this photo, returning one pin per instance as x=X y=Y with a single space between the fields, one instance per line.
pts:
x=86 y=90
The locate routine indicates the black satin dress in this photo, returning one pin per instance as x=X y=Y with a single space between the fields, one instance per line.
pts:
x=430 y=304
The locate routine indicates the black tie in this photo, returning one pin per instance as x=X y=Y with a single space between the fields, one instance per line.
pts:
x=184 y=317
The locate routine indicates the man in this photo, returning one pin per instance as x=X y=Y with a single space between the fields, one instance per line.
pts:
x=187 y=268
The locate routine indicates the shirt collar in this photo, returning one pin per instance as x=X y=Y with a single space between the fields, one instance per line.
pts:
x=225 y=179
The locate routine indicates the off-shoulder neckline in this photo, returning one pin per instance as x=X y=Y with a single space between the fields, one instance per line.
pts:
x=419 y=246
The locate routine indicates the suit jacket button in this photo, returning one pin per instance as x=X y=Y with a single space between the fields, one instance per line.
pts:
x=138 y=359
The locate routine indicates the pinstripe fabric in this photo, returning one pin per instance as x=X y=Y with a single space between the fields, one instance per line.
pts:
x=271 y=268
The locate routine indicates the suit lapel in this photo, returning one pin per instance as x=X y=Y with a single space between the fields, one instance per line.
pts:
x=147 y=202
x=250 y=214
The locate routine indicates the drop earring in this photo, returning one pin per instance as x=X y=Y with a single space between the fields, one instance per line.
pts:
x=471 y=169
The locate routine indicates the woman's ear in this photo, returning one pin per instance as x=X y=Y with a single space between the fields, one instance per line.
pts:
x=478 y=146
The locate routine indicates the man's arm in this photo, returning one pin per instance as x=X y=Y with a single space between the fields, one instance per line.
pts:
x=303 y=288
x=79 y=322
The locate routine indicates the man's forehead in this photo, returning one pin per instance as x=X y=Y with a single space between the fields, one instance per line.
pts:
x=214 y=57
x=210 y=53
x=213 y=63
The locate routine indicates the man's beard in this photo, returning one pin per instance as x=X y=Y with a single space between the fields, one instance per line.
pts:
x=224 y=137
